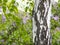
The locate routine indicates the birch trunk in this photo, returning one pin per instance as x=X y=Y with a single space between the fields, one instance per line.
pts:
x=41 y=22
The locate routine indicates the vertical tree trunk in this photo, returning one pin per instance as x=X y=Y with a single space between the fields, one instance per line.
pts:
x=41 y=22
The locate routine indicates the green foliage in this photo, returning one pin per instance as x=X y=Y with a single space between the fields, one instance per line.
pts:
x=30 y=7
x=12 y=29
x=55 y=25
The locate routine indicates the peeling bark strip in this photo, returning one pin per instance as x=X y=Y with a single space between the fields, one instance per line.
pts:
x=41 y=22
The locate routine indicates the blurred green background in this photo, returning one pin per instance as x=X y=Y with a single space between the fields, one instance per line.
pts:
x=16 y=25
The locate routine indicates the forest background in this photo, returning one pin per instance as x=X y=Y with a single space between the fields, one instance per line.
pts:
x=16 y=22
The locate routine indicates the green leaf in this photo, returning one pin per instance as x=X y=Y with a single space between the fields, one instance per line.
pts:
x=4 y=8
x=31 y=4
x=5 y=1
x=15 y=9
x=26 y=9
x=0 y=1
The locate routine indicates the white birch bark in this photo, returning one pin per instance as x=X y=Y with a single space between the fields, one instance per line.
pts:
x=41 y=22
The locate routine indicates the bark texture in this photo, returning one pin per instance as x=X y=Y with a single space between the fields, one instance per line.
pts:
x=41 y=22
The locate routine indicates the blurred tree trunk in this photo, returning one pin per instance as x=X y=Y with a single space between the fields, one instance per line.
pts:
x=41 y=22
